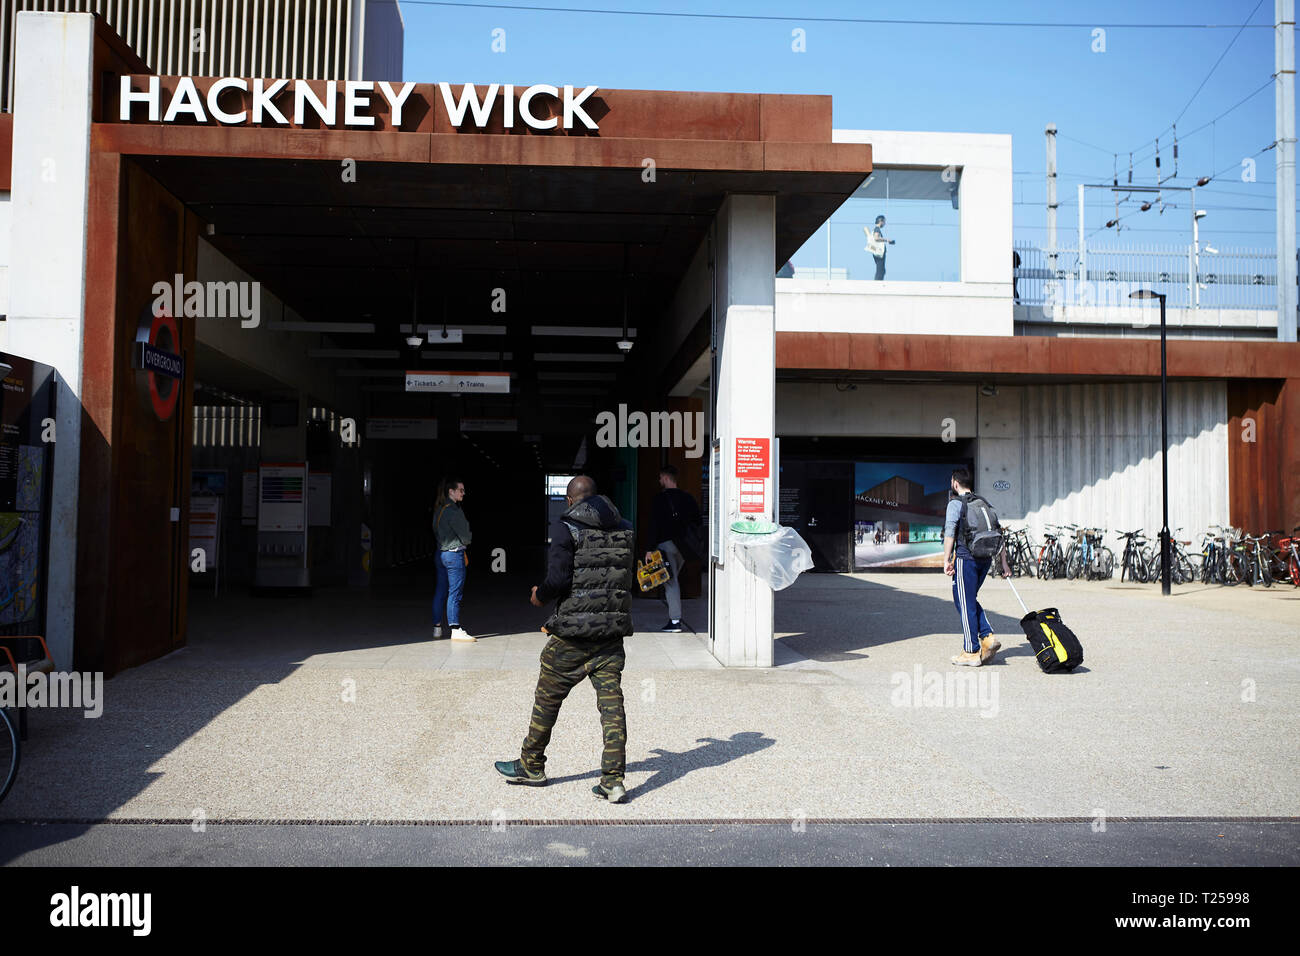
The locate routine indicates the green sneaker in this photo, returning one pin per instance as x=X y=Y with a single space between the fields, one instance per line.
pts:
x=614 y=794
x=515 y=772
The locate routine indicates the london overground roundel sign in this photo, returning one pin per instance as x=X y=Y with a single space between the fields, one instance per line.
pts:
x=157 y=349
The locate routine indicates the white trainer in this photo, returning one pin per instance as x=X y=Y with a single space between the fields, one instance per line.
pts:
x=458 y=634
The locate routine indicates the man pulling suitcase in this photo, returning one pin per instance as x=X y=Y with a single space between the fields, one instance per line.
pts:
x=971 y=538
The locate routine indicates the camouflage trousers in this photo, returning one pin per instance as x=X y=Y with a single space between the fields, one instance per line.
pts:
x=564 y=665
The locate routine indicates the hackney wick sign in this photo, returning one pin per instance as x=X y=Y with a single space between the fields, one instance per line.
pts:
x=352 y=104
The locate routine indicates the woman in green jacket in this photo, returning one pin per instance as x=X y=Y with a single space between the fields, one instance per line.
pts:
x=451 y=529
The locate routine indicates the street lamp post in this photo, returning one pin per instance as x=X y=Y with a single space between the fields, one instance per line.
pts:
x=1165 y=549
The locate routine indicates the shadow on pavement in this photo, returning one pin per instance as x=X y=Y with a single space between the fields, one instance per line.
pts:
x=833 y=617
x=670 y=766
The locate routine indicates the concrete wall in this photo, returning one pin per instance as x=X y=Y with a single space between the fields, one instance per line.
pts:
x=1075 y=454
x=984 y=160
x=980 y=304
x=919 y=308
x=47 y=276
x=6 y=226
x=280 y=356
x=1090 y=454
x=1126 y=316
x=741 y=604
x=919 y=411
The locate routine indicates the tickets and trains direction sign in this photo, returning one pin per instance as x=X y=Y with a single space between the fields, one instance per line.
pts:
x=478 y=382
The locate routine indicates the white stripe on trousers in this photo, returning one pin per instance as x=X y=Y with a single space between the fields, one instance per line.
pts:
x=967 y=644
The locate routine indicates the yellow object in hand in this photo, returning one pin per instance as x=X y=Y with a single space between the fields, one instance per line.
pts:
x=650 y=574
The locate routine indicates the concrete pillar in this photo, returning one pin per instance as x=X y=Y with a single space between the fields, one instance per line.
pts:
x=47 y=275
x=744 y=260
x=285 y=443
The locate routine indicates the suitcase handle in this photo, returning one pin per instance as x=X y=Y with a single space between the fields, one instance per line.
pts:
x=1018 y=598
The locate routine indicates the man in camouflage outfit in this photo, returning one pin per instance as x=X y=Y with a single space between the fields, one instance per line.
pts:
x=590 y=576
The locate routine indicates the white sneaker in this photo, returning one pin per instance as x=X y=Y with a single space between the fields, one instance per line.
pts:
x=458 y=634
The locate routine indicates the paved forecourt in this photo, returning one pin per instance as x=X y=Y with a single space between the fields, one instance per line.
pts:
x=338 y=708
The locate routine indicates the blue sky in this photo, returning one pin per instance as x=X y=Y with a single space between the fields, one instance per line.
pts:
x=997 y=79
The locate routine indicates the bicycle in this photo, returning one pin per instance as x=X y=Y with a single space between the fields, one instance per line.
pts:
x=10 y=741
x=1051 y=561
x=1260 y=570
x=1222 y=559
x=1211 y=558
x=1078 y=557
x=1181 y=570
x=1291 y=547
x=1019 y=552
x=1089 y=557
x=1136 y=562
x=1240 y=562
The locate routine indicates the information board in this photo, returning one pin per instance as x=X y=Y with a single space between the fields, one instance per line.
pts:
x=494 y=382
x=205 y=528
x=753 y=457
x=282 y=497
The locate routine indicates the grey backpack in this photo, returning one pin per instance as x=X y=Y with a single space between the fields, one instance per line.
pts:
x=981 y=532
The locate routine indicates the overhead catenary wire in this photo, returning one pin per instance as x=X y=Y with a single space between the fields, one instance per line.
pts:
x=1191 y=99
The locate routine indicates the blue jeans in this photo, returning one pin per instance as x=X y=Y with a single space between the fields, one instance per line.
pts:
x=966 y=583
x=451 y=585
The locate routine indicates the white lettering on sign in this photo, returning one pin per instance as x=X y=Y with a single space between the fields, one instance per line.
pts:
x=186 y=101
x=214 y=93
x=353 y=100
x=327 y=111
x=262 y=96
x=455 y=382
x=396 y=100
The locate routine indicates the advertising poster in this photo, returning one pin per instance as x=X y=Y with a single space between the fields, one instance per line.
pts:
x=23 y=461
x=205 y=528
x=898 y=510
x=208 y=482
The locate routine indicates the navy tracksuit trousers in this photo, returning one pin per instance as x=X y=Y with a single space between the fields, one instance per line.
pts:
x=966 y=583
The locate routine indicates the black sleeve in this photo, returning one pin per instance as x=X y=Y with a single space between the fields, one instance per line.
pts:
x=661 y=520
x=559 y=563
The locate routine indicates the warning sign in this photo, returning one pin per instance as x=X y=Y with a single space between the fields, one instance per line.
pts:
x=753 y=457
x=753 y=500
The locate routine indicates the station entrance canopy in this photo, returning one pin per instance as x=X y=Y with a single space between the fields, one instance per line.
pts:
x=339 y=216
x=572 y=185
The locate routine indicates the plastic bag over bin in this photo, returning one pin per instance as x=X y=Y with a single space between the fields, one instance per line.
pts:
x=777 y=558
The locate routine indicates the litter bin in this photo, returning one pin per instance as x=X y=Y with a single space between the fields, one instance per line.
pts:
x=773 y=553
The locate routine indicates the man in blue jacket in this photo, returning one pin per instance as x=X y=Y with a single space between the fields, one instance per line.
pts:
x=967 y=573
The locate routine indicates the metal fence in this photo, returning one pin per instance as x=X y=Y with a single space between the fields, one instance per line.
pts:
x=1225 y=278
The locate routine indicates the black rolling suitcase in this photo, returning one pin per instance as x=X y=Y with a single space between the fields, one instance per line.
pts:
x=1055 y=647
